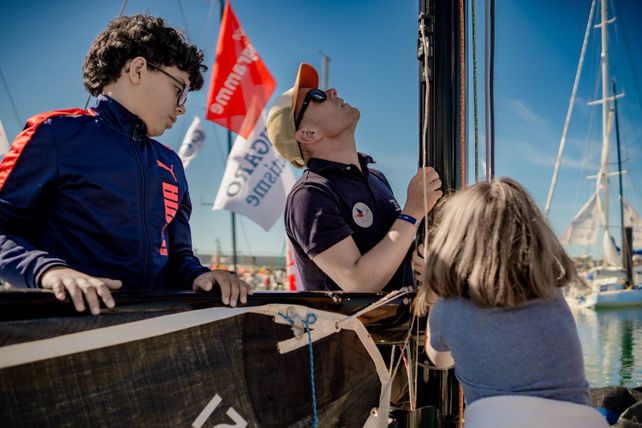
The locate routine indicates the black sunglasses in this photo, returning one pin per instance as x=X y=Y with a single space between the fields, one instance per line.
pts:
x=182 y=97
x=316 y=95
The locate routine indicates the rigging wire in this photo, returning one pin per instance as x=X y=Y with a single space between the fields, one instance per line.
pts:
x=120 y=13
x=475 y=97
x=401 y=352
x=463 y=73
x=590 y=150
x=247 y=241
x=637 y=142
x=11 y=101
x=219 y=146
x=628 y=55
x=210 y=13
x=387 y=298
x=486 y=113
x=491 y=83
x=569 y=113
x=425 y=130
x=416 y=366
x=182 y=12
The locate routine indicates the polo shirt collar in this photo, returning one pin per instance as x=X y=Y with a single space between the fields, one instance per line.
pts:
x=319 y=165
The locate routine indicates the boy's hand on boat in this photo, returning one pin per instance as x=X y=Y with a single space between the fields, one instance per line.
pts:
x=80 y=287
x=415 y=200
x=232 y=288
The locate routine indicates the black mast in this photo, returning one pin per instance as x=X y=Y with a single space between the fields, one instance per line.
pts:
x=443 y=138
x=443 y=145
x=626 y=237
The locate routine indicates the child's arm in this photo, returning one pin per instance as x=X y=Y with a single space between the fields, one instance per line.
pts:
x=28 y=174
x=441 y=359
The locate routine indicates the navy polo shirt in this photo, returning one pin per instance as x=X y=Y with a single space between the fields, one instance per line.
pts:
x=332 y=201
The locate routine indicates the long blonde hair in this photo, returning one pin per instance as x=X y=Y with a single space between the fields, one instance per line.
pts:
x=492 y=245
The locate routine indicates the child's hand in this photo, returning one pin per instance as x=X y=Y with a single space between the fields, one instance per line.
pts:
x=418 y=265
x=63 y=280
x=232 y=288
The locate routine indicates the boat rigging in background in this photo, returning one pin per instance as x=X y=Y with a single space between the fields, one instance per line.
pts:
x=615 y=281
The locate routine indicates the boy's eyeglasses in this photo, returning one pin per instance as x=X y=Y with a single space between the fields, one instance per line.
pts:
x=316 y=95
x=182 y=97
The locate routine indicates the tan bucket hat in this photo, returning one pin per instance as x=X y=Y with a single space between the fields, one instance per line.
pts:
x=280 y=120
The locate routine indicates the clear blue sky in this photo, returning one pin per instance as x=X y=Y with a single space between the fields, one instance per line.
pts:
x=373 y=49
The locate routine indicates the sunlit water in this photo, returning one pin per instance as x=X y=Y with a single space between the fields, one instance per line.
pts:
x=612 y=345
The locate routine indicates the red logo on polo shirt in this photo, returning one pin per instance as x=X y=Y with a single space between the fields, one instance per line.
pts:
x=362 y=215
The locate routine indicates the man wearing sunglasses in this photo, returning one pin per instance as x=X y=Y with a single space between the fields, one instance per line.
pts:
x=346 y=228
x=89 y=202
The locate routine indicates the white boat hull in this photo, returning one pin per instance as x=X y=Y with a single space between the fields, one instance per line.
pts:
x=613 y=299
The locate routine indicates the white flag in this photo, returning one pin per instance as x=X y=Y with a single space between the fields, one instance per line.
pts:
x=192 y=143
x=632 y=219
x=256 y=180
x=4 y=141
x=583 y=228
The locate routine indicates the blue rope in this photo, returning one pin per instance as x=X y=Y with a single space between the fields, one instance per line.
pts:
x=311 y=319
x=287 y=318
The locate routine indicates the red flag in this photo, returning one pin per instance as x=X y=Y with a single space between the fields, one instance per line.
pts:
x=241 y=83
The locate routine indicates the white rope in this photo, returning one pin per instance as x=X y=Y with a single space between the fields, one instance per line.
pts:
x=402 y=350
x=416 y=360
x=387 y=298
x=424 y=133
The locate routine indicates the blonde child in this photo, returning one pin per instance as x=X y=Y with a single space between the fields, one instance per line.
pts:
x=493 y=275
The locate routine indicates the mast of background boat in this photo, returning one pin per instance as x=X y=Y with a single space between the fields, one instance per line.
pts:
x=569 y=113
x=602 y=182
x=626 y=240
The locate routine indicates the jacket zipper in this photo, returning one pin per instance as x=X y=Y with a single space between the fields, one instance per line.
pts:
x=143 y=186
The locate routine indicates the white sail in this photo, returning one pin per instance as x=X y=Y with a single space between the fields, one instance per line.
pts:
x=632 y=219
x=612 y=256
x=583 y=228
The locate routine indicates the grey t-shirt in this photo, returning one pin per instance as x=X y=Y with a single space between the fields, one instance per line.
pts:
x=530 y=350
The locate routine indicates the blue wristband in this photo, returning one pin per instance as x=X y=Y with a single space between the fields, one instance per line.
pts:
x=410 y=219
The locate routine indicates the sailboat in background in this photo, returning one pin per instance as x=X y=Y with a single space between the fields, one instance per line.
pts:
x=615 y=282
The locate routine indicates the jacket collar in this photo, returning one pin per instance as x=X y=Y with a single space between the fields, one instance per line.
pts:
x=119 y=118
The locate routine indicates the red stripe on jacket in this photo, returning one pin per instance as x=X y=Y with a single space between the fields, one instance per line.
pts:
x=11 y=158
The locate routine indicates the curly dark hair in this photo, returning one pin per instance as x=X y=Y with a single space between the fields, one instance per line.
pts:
x=139 y=35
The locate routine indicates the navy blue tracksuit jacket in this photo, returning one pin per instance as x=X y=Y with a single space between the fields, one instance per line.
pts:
x=90 y=190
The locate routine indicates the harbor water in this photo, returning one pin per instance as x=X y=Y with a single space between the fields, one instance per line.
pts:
x=612 y=345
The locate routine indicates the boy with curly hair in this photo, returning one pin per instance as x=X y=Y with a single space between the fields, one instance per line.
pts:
x=89 y=202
